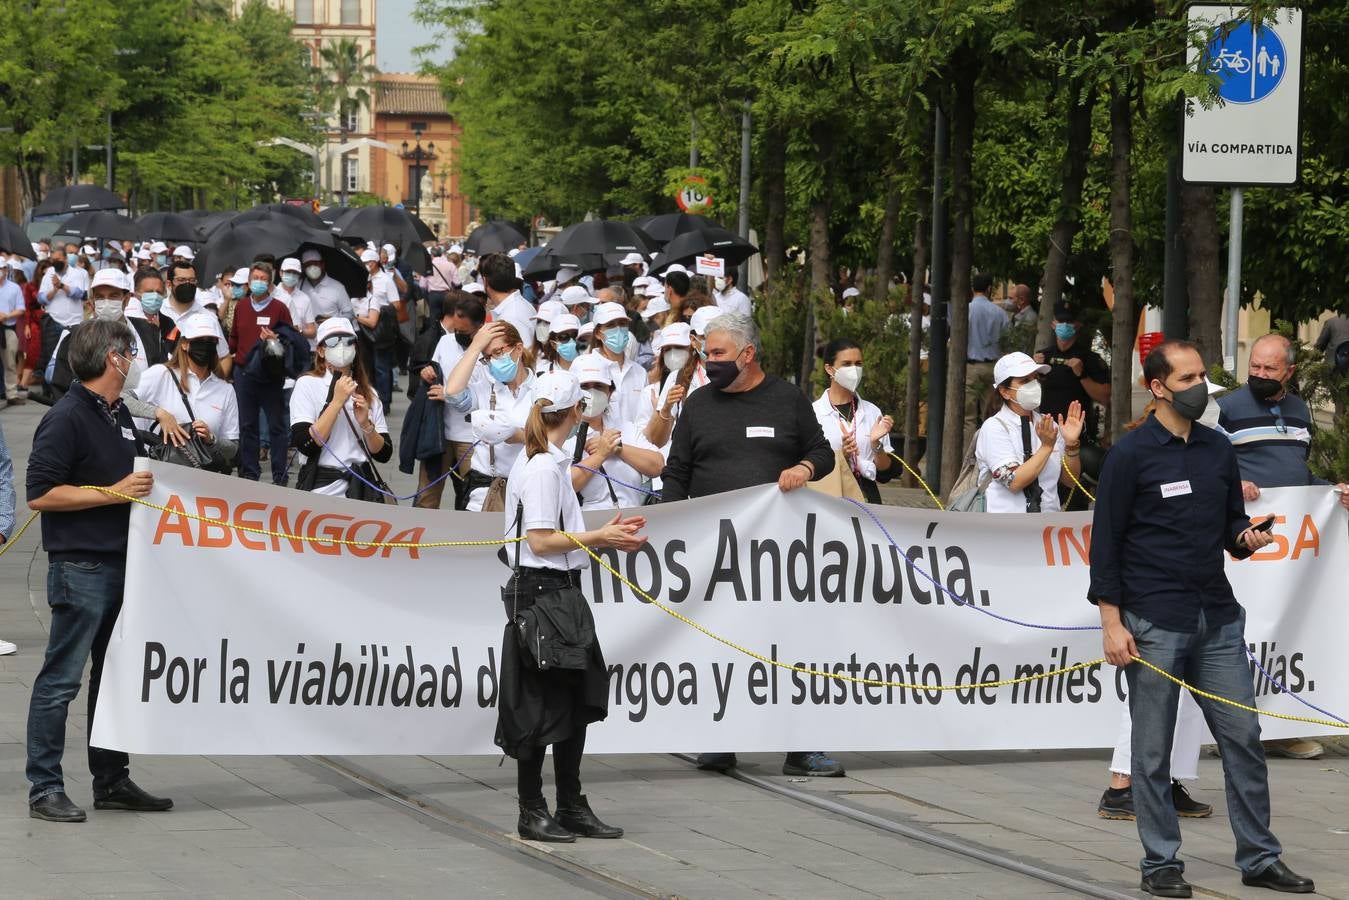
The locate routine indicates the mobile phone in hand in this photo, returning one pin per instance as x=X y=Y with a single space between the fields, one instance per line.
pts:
x=1266 y=525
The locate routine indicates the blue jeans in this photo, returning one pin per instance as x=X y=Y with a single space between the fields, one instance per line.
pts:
x=85 y=599
x=255 y=397
x=384 y=377
x=1211 y=659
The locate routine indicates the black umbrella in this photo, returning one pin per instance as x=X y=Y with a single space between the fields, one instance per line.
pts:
x=544 y=265
x=303 y=214
x=78 y=198
x=667 y=226
x=496 y=236
x=108 y=226
x=14 y=239
x=331 y=214
x=723 y=244
x=389 y=225
x=236 y=244
x=208 y=222
x=172 y=228
x=600 y=237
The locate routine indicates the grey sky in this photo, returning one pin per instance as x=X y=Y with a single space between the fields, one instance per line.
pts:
x=398 y=35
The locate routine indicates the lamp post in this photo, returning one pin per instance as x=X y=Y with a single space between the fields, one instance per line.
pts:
x=417 y=154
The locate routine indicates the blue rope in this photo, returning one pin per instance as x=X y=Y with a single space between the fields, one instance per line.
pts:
x=603 y=474
x=379 y=490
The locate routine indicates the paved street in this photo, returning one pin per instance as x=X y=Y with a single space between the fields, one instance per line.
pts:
x=301 y=827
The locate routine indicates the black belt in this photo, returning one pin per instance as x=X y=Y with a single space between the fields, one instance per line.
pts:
x=477 y=480
x=980 y=361
x=326 y=475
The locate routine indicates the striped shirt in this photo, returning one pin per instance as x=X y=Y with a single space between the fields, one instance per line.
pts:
x=1272 y=440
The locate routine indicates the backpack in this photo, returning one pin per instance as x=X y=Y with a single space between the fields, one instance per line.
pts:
x=385 y=333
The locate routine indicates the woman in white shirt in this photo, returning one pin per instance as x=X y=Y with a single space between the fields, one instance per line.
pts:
x=497 y=403
x=617 y=459
x=537 y=709
x=853 y=425
x=189 y=388
x=1025 y=453
x=558 y=350
x=335 y=404
x=680 y=373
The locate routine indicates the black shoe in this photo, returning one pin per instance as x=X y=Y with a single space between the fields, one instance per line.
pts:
x=56 y=808
x=1186 y=806
x=130 y=797
x=1116 y=803
x=716 y=762
x=1166 y=882
x=816 y=765
x=1278 y=877
x=577 y=817
x=536 y=825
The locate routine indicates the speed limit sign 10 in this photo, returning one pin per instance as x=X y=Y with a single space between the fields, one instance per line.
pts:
x=693 y=196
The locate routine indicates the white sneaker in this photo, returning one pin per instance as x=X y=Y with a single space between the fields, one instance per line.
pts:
x=6 y=648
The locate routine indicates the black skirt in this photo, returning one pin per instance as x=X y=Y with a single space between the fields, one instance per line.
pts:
x=535 y=709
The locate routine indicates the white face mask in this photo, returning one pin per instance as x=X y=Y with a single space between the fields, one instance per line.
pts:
x=541 y=330
x=1211 y=414
x=314 y=272
x=341 y=356
x=108 y=310
x=848 y=378
x=1028 y=396
x=597 y=401
x=676 y=359
x=719 y=283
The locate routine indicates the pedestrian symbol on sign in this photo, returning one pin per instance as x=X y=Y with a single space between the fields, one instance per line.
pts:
x=1249 y=62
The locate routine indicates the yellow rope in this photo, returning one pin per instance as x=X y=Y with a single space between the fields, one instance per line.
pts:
x=1206 y=695
x=315 y=539
x=1077 y=485
x=908 y=469
x=15 y=539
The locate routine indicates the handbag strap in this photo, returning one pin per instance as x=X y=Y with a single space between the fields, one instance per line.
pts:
x=191 y=416
x=1033 y=490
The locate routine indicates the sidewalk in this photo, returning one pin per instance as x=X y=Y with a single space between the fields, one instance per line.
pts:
x=295 y=827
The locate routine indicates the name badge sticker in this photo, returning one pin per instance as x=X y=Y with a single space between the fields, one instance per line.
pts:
x=759 y=431
x=126 y=433
x=264 y=321
x=1176 y=489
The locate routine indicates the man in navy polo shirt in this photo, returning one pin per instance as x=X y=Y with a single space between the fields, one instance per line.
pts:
x=85 y=439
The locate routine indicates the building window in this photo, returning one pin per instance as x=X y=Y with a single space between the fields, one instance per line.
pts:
x=304 y=12
x=353 y=118
x=352 y=165
x=351 y=12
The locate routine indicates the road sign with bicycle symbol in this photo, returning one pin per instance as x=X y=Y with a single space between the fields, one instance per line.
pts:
x=1249 y=62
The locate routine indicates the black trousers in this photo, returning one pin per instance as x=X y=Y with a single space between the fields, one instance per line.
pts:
x=566 y=771
x=257 y=396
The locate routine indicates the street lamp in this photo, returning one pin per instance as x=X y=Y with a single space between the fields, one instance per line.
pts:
x=418 y=154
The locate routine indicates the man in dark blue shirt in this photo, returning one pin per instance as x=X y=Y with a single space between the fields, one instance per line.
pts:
x=1168 y=506
x=85 y=439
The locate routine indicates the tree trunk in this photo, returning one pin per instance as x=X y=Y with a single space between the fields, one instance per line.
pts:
x=962 y=258
x=1125 y=325
x=775 y=206
x=1199 y=225
x=1077 y=151
x=885 y=251
x=823 y=137
x=913 y=385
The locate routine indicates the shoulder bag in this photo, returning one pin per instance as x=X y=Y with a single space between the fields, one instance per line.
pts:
x=358 y=489
x=557 y=630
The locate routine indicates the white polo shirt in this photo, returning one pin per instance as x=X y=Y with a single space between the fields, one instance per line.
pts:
x=542 y=484
x=863 y=419
x=213 y=400
x=65 y=310
x=999 y=450
x=330 y=298
x=343 y=446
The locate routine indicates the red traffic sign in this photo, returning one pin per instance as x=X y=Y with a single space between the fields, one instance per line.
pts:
x=693 y=196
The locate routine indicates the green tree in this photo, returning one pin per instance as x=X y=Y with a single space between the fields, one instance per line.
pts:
x=345 y=79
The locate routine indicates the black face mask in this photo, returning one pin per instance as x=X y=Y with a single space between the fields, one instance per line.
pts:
x=1191 y=402
x=463 y=339
x=1264 y=389
x=203 y=353
x=60 y=267
x=721 y=373
x=185 y=293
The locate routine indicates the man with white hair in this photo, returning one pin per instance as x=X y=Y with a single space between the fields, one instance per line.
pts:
x=746 y=428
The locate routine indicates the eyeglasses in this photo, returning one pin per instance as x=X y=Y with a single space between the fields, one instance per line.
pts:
x=1279 y=425
x=339 y=340
x=130 y=352
x=500 y=354
x=184 y=281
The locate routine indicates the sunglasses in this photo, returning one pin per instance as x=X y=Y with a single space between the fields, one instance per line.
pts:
x=1279 y=424
x=339 y=340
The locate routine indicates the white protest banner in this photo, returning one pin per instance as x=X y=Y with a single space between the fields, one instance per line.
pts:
x=238 y=643
x=710 y=265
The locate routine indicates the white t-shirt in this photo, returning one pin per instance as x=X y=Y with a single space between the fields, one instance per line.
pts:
x=541 y=483
x=734 y=300
x=213 y=400
x=516 y=310
x=863 y=420
x=447 y=355
x=343 y=445
x=595 y=494
x=999 y=450
x=64 y=309
x=629 y=385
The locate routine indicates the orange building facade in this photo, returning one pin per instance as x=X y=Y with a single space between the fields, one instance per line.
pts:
x=418 y=167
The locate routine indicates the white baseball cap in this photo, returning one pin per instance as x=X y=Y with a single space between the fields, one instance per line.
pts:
x=575 y=295
x=591 y=368
x=1016 y=365
x=676 y=267
x=334 y=325
x=677 y=335
x=240 y=276
x=567 y=273
x=587 y=330
x=184 y=251
x=369 y=256
x=390 y=250
x=559 y=388
x=311 y=255
x=144 y=255
x=456 y=248
x=88 y=250
x=564 y=323
x=109 y=278
x=656 y=306
x=290 y=264
x=549 y=310
x=492 y=426
x=197 y=325
x=851 y=292
x=610 y=312
x=632 y=259
x=159 y=247
x=701 y=316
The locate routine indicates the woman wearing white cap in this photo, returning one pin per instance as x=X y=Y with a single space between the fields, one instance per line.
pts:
x=855 y=426
x=189 y=386
x=498 y=402
x=617 y=457
x=681 y=373
x=1022 y=453
x=336 y=405
x=559 y=349
x=541 y=708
